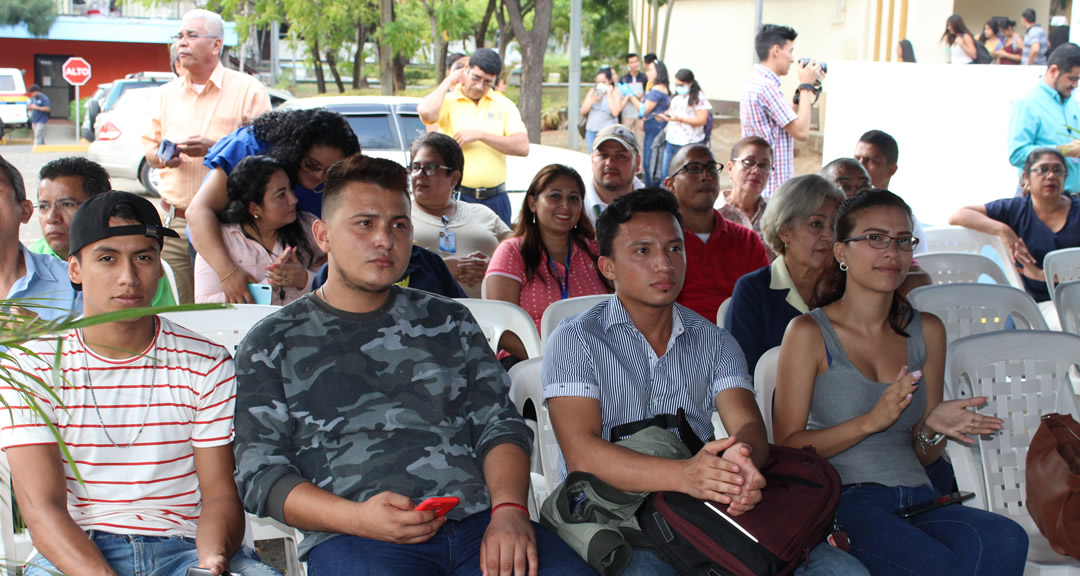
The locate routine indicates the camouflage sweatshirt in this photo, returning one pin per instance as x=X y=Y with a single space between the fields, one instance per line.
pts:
x=407 y=398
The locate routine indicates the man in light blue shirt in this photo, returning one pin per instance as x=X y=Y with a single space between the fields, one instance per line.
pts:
x=1049 y=116
x=40 y=279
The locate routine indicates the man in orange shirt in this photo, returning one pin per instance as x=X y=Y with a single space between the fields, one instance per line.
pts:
x=197 y=109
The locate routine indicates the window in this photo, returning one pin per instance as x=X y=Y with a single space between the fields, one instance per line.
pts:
x=411 y=128
x=7 y=84
x=373 y=131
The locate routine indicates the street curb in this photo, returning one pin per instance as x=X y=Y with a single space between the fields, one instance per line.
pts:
x=61 y=148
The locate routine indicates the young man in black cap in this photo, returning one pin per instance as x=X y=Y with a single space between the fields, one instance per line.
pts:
x=147 y=414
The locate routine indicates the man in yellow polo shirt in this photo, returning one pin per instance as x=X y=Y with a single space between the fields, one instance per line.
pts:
x=485 y=123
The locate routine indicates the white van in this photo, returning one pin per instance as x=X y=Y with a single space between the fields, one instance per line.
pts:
x=13 y=100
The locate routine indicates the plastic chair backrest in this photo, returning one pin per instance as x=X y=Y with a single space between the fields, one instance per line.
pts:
x=959 y=239
x=1067 y=301
x=557 y=311
x=722 y=311
x=8 y=555
x=765 y=386
x=1023 y=375
x=526 y=386
x=226 y=327
x=1061 y=266
x=257 y=529
x=172 y=280
x=967 y=267
x=968 y=309
x=496 y=317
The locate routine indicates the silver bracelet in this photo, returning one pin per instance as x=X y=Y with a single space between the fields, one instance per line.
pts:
x=925 y=442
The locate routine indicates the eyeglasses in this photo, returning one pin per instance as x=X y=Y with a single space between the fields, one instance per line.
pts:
x=1056 y=170
x=699 y=167
x=481 y=81
x=189 y=36
x=750 y=164
x=313 y=166
x=65 y=206
x=882 y=241
x=429 y=169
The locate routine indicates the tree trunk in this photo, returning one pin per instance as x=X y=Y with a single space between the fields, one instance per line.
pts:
x=319 y=78
x=633 y=29
x=655 y=9
x=506 y=34
x=386 y=55
x=667 y=27
x=359 y=78
x=400 y=60
x=533 y=46
x=481 y=31
x=440 y=44
x=331 y=60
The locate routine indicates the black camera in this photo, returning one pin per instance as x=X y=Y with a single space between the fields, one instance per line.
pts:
x=806 y=62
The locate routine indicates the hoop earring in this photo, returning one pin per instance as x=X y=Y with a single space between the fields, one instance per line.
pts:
x=843 y=267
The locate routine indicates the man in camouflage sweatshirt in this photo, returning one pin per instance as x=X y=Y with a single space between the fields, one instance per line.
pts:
x=358 y=401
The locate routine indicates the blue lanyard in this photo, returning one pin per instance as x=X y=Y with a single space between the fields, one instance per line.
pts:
x=564 y=287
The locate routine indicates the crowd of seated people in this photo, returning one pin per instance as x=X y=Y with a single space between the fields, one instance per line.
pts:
x=369 y=389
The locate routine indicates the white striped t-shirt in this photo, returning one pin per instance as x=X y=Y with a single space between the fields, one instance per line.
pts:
x=150 y=487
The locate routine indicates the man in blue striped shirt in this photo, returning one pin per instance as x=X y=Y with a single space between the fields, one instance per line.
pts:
x=640 y=354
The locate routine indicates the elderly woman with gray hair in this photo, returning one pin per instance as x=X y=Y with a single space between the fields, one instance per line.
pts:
x=798 y=225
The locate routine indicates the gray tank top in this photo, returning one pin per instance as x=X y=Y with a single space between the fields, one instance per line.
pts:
x=843 y=393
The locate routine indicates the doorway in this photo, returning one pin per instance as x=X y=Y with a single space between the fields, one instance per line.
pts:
x=48 y=75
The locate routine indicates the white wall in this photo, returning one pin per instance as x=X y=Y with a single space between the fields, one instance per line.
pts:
x=951 y=124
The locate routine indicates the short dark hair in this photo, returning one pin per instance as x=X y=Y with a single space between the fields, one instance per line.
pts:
x=829 y=170
x=650 y=58
x=448 y=150
x=14 y=178
x=359 y=168
x=620 y=211
x=1028 y=14
x=95 y=180
x=486 y=60
x=629 y=56
x=772 y=35
x=1065 y=57
x=34 y=88
x=1037 y=155
x=750 y=141
x=885 y=144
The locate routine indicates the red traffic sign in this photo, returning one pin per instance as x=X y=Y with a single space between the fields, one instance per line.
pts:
x=76 y=71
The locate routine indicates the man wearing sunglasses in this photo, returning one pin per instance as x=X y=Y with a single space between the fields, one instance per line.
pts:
x=718 y=252
x=485 y=123
x=197 y=109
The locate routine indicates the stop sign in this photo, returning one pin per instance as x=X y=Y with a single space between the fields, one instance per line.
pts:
x=76 y=71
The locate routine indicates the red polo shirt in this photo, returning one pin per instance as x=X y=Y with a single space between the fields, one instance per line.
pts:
x=713 y=267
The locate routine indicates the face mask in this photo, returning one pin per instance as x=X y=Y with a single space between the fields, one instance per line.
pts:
x=682 y=90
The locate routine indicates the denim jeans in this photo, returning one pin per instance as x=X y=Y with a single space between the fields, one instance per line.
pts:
x=499 y=204
x=646 y=156
x=669 y=153
x=955 y=540
x=455 y=549
x=137 y=555
x=590 y=137
x=824 y=560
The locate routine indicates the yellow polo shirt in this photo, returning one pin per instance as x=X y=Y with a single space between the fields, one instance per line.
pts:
x=485 y=166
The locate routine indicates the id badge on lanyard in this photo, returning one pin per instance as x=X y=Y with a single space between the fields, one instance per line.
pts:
x=447 y=238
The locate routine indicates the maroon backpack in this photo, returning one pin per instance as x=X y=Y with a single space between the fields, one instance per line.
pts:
x=796 y=512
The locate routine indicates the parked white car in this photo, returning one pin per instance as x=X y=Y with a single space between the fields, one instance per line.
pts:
x=13 y=100
x=118 y=144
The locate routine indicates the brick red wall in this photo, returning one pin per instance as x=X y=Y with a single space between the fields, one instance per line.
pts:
x=108 y=60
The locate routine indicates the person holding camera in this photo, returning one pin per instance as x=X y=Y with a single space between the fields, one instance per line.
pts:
x=764 y=112
x=602 y=105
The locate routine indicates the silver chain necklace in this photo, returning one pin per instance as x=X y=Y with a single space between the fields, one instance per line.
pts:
x=149 y=399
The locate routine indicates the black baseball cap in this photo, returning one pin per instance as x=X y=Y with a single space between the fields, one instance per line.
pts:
x=91 y=221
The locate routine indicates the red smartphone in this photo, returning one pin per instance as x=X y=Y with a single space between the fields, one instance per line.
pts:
x=440 y=504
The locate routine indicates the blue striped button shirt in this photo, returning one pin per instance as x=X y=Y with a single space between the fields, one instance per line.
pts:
x=600 y=354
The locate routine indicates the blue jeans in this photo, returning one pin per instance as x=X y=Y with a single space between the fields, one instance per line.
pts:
x=824 y=560
x=669 y=153
x=499 y=204
x=136 y=555
x=455 y=549
x=955 y=540
x=590 y=137
x=646 y=156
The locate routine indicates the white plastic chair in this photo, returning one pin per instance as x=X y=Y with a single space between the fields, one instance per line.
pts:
x=172 y=281
x=226 y=327
x=1061 y=266
x=765 y=386
x=959 y=239
x=1067 y=301
x=953 y=267
x=269 y=529
x=721 y=312
x=496 y=317
x=525 y=387
x=1023 y=374
x=968 y=309
x=8 y=556
x=557 y=311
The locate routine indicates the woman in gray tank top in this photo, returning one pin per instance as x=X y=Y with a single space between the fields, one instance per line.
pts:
x=861 y=380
